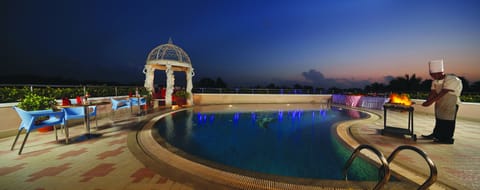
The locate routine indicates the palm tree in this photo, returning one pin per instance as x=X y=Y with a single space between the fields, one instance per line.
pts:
x=414 y=83
x=375 y=87
x=475 y=87
x=405 y=84
x=465 y=83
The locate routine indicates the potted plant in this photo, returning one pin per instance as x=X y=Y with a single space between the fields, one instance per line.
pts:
x=149 y=101
x=32 y=102
x=181 y=97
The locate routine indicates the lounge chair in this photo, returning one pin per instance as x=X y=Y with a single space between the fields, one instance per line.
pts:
x=78 y=113
x=30 y=121
x=120 y=104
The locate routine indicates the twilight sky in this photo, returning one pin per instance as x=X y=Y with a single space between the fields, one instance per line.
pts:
x=323 y=43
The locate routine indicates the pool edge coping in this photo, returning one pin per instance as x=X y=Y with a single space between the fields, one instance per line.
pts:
x=143 y=139
x=345 y=135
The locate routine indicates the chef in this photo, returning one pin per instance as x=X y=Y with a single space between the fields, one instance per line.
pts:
x=445 y=93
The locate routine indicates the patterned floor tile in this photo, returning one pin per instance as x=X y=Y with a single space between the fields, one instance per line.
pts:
x=107 y=163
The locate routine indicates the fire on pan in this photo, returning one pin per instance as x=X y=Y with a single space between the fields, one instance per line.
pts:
x=399 y=102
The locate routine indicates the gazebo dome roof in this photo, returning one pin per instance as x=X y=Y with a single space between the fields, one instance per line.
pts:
x=168 y=52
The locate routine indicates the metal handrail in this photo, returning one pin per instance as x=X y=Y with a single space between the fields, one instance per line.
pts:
x=433 y=168
x=385 y=167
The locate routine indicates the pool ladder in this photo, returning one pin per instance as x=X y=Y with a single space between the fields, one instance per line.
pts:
x=384 y=170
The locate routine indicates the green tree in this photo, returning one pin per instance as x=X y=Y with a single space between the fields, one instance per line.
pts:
x=425 y=85
x=220 y=84
x=206 y=83
x=465 y=84
x=271 y=86
x=405 y=84
x=210 y=83
x=475 y=87
x=375 y=87
x=297 y=86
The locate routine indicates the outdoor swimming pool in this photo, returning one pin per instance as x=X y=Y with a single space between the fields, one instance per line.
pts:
x=283 y=141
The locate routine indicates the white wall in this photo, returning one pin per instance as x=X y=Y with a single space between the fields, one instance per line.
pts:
x=200 y=99
x=466 y=110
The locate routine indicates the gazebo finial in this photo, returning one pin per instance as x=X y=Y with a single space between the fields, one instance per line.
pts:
x=170 y=41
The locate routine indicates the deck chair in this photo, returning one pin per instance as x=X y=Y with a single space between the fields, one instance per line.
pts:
x=29 y=122
x=119 y=104
x=138 y=102
x=78 y=113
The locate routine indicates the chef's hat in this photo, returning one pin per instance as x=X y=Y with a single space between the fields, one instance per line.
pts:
x=436 y=66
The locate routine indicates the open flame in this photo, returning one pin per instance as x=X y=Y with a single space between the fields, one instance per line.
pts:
x=400 y=99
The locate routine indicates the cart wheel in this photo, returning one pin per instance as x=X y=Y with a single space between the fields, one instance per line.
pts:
x=414 y=137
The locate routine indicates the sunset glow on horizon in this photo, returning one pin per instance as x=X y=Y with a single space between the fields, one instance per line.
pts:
x=328 y=43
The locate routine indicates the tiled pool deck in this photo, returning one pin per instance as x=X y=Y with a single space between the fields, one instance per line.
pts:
x=107 y=162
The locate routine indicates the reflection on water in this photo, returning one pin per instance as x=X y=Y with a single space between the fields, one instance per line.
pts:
x=289 y=141
x=354 y=114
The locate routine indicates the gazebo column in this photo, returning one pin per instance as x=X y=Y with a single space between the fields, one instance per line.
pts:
x=189 y=73
x=149 y=75
x=170 y=85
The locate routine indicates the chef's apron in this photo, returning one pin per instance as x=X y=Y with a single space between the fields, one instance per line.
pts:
x=446 y=107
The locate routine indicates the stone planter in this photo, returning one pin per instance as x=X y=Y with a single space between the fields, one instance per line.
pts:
x=180 y=101
x=45 y=129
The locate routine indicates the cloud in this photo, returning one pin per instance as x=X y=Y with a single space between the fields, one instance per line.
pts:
x=387 y=79
x=317 y=79
x=313 y=75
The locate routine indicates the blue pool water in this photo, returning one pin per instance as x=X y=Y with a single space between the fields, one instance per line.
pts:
x=295 y=143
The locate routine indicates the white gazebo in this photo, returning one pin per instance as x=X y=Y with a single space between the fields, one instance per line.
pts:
x=170 y=58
